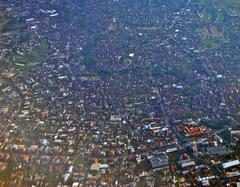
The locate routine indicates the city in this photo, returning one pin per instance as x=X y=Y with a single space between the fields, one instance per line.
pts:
x=119 y=93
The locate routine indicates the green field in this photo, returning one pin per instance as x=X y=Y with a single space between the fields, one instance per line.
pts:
x=3 y=20
x=222 y=3
x=227 y=3
x=9 y=24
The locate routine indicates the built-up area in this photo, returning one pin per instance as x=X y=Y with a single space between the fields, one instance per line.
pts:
x=119 y=93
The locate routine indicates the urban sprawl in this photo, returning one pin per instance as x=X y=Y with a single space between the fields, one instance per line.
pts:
x=119 y=93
